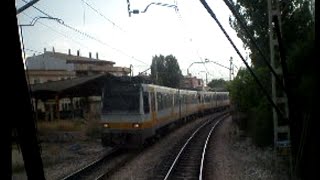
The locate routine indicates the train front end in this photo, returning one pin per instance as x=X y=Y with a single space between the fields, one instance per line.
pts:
x=123 y=119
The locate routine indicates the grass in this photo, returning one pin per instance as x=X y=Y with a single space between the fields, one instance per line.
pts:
x=90 y=128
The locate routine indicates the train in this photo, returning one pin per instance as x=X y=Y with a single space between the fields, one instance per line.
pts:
x=133 y=113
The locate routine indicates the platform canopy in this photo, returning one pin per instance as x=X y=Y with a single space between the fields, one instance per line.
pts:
x=79 y=87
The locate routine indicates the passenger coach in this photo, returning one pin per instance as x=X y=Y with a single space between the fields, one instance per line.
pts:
x=132 y=113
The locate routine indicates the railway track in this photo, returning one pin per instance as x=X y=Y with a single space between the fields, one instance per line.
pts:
x=188 y=163
x=102 y=167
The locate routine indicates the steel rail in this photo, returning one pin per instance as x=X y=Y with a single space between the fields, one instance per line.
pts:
x=204 y=149
x=78 y=172
x=184 y=146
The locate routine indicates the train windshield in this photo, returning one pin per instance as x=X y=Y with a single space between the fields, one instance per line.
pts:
x=121 y=99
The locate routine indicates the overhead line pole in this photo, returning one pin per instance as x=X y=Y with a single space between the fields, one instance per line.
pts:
x=204 y=3
x=282 y=129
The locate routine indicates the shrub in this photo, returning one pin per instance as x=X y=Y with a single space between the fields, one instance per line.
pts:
x=260 y=125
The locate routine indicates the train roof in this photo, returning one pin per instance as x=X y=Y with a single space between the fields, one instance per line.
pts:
x=169 y=89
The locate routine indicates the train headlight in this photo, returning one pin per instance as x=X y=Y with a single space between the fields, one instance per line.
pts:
x=136 y=125
x=106 y=125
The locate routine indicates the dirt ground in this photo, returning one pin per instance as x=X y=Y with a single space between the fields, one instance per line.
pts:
x=61 y=156
x=230 y=157
x=233 y=157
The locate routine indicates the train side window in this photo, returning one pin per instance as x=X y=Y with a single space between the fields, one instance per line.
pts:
x=168 y=100
x=146 y=106
x=176 y=99
x=160 y=101
x=171 y=100
x=164 y=100
x=153 y=105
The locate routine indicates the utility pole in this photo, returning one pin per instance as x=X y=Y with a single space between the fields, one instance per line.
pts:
x=281 y=126
x=206 y=79
x=131 y=70
x=156 y=71
x=230 y=69
x=129 y=10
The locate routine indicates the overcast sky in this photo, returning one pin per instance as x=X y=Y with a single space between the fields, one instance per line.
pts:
x=118 y=37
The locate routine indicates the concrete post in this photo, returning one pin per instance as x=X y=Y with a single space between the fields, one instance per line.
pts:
x=72 y=107
x=57 y=107
x=51 y=112
x=94 y=104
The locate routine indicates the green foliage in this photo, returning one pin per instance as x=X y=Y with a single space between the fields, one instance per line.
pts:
x=255 y=16
x=218 y=85
x=166 y=71
x=298 y=39
x=260 y=124
x=244 y=91
x=248 y=98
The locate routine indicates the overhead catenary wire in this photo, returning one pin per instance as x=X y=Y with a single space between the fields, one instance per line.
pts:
x=104 y=17
x=32 y=50
x=206 y=6
x=67 y=37
x=88 y=36
x=190 y=39
x=84 y=16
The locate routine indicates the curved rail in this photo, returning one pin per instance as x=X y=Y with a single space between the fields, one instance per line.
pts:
x=204 y=149
x=187 y=142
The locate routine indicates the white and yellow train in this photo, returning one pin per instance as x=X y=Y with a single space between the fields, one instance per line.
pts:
x=134 y=113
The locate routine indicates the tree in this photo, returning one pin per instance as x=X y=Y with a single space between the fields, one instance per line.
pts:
x=298 y=33
x=166 y=71
x=218 y=84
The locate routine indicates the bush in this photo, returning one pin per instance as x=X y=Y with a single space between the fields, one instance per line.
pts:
x=260 y=125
